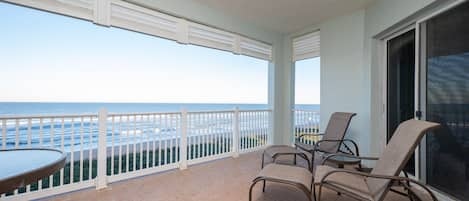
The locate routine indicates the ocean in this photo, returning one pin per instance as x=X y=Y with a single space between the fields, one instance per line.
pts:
x=34 y=108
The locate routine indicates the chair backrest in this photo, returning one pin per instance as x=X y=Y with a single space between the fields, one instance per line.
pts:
x=335 y=130
x=396 y=154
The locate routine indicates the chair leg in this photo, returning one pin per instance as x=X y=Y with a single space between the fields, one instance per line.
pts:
x=319 y=193
x=262 y=163
x=263 y=186
x=294 y=159
x=250 y=189
x=313 y=188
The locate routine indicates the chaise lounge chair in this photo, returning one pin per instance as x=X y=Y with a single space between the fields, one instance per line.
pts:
x=331 y=141
x=359 y=185
x=375 y=185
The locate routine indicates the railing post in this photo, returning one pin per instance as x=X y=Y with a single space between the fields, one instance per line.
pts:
x=236 y=128
x=183 y=147
x=101 y=177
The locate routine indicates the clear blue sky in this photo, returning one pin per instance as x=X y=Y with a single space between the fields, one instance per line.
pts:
x=307 y=81
x=52 y=58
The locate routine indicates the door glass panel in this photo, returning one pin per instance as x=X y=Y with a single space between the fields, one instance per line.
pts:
x=401 y=82
x=447 y=60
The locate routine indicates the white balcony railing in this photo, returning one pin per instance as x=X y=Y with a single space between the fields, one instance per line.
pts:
x=306 y=122
x=103 y=148
x=106 y=148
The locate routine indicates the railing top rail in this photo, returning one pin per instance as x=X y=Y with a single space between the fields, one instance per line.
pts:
x=49 y=116
x=303 y=110
x=142 y=113
x=46 y=116
x=264 y=110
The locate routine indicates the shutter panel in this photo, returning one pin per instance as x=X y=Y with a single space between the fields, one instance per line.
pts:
x=255 y=48
x=306 y=46
x=82 y=9
x=210 y=37
x=132 y=17
x=129 y=16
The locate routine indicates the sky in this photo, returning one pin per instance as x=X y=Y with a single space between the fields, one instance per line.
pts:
x=307 y=81
x=51 y=58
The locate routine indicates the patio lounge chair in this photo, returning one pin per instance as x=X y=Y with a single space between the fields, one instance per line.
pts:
x=375 y=185
x=362 y=186
x=332 y=139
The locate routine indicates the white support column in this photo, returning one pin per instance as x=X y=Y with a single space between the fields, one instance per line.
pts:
x=101 y=178
x=183 y=147
x=236 y=129
x=281 y=78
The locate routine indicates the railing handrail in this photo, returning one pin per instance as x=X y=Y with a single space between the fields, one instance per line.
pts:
x=304 y=110
x=46 y=116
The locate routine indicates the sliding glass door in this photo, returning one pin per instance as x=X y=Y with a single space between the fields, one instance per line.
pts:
x=401 y=84
x=444 y=74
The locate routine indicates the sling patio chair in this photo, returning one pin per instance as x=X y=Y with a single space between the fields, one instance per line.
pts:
x=385 y=175
x=359 y=185
x=331 y=142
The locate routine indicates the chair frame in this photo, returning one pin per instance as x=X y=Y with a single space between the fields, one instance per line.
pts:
x=355 y=151
x=314 y=148
x=395 y=180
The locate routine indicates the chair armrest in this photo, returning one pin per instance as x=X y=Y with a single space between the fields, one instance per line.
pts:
x=405 y=181
x=349 y=156
x=309 y=134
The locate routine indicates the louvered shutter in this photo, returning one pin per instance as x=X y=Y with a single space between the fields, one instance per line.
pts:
x=136 y=18
x=75 y=8
x=118 y=13
x=306 y=46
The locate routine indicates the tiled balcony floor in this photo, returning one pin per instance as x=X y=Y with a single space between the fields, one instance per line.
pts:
x=223 y=180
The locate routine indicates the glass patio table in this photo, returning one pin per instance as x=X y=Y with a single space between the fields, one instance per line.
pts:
x=20 y=167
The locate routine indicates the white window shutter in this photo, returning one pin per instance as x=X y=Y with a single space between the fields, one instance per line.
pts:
x=136 y=18
x=307 y=46
x=82 y=9
x=118 y=13
x=210 y=37
x=255 y=49
x=102 y=12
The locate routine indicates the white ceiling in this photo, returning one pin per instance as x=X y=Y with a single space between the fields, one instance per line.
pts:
x=285 y=16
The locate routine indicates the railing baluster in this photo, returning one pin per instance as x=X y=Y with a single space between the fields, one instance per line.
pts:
x=119 y=160
x=62 y=147
x=159 y=140
x=141 y=141
x=198 y=135
x=190 y=140
x=90 y=149
x=39 y=186
x=134 y=146
x=112 y=144
x=72 y=149
x=153 y=133
x=165 y=153
x=127 y=139
x=52 y=145
x=148 y=133
x=81 y=148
